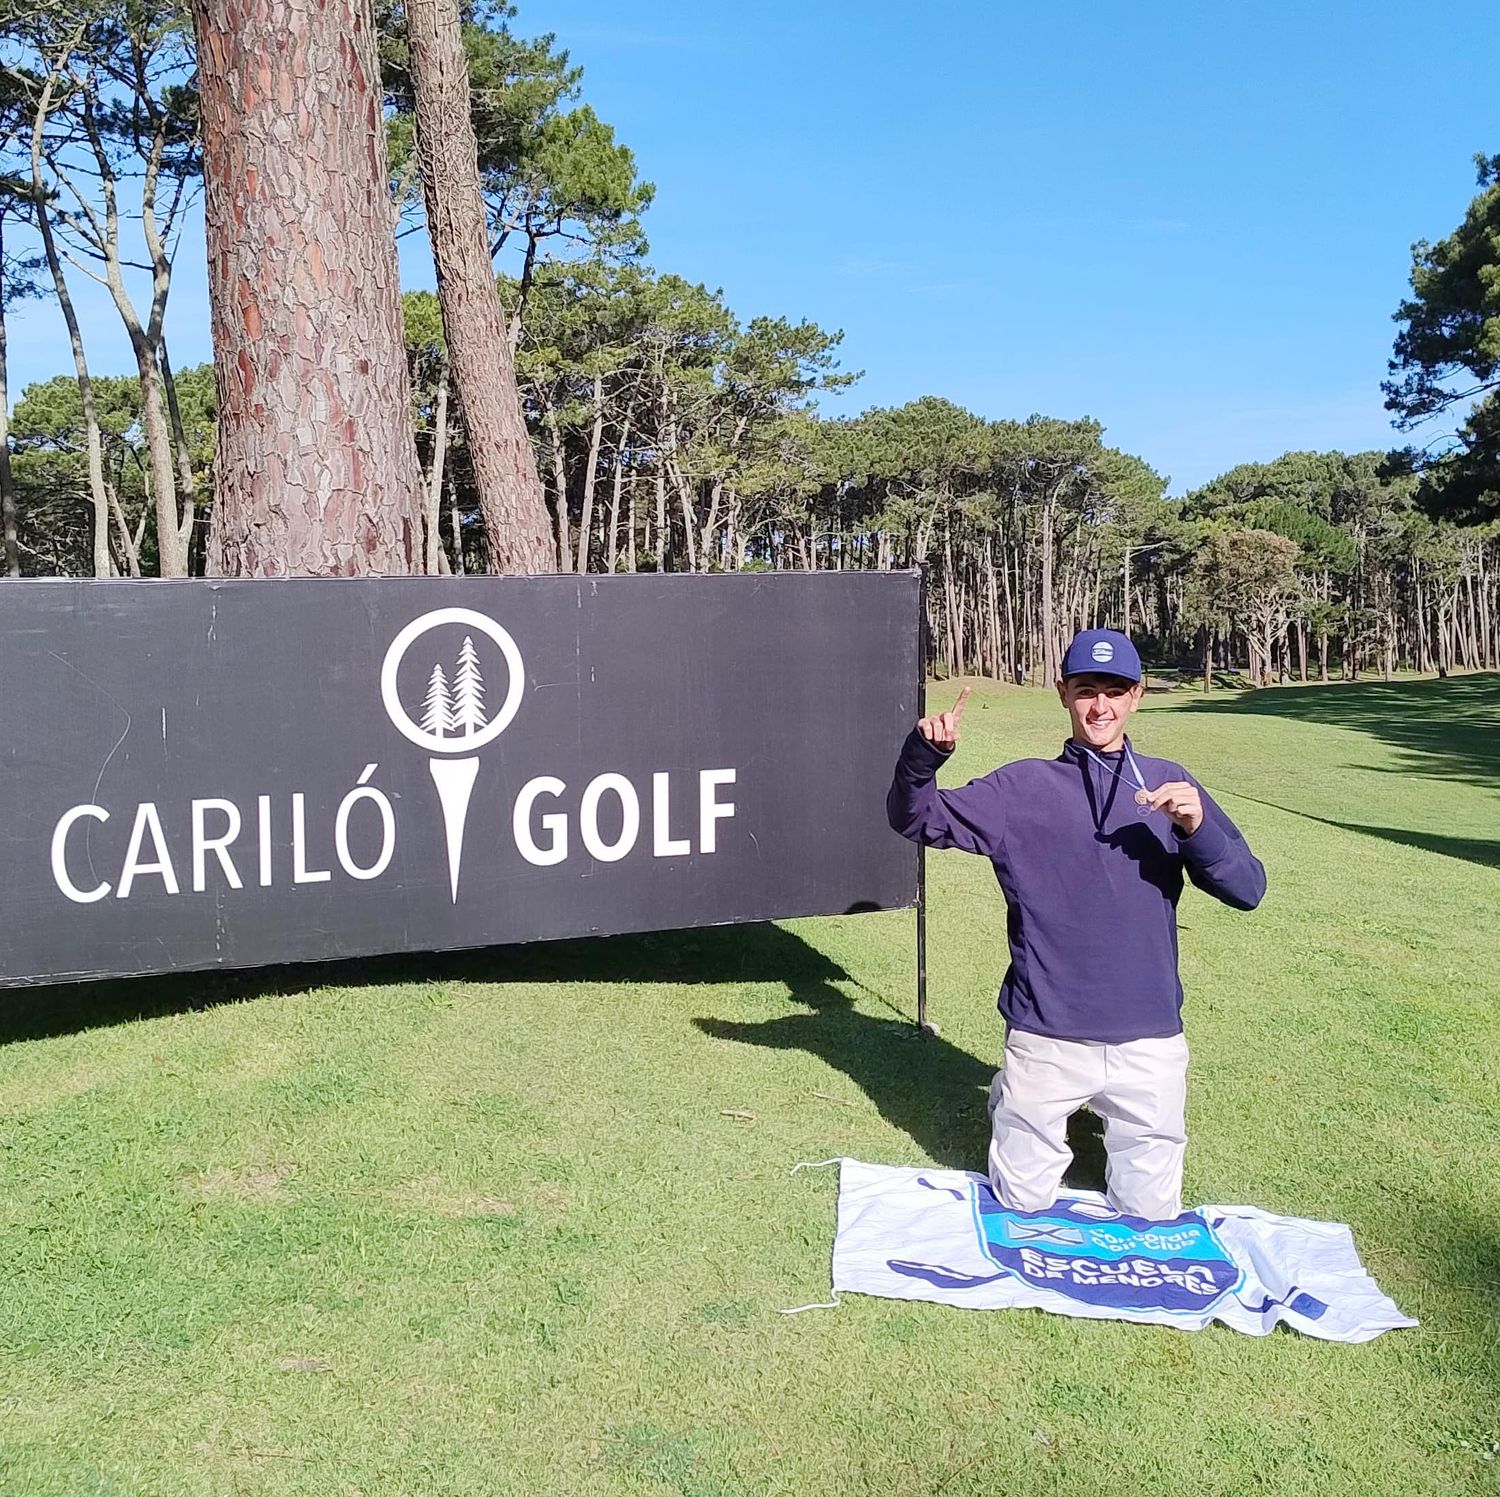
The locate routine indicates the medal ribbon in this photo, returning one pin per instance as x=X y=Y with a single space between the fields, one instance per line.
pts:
x=1135 y=769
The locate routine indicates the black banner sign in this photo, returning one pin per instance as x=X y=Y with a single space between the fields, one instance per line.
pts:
x=201 y=774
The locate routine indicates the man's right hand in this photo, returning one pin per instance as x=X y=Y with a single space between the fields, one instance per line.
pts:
x=942 y=731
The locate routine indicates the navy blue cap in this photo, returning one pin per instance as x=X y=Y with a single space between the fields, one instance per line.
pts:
x=1101 y=652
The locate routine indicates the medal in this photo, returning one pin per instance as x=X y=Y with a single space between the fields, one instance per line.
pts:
x=1142 y=796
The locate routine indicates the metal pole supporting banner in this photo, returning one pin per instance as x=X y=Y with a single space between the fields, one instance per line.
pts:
x=923 y=1022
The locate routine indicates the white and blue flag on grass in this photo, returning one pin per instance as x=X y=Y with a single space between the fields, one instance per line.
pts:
x=941 y=1235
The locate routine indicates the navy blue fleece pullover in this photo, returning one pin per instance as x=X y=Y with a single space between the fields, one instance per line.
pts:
x=1090 y=884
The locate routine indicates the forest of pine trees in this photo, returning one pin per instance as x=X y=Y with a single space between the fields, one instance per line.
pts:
x=668 y=432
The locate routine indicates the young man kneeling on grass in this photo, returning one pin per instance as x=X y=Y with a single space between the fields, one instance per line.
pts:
x=1090 y=849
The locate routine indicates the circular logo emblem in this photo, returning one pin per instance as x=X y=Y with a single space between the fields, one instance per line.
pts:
x=1103 y=651
x=437 y=732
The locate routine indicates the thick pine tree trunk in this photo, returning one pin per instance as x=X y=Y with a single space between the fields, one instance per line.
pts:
x=316 y=467
x=479 y=348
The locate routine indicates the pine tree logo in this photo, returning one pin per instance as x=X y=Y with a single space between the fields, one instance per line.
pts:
x=437 y=710
x=453 y=719
x=467 y=714
x=457 y=710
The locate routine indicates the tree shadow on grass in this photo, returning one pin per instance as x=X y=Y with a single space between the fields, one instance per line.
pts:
x=1449 y=728
x=1471 y=1254
x=1468 y=849
x=1481 y=850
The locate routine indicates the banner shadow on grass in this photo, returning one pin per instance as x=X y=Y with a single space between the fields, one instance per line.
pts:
x=760 y=952
x=921 y=1083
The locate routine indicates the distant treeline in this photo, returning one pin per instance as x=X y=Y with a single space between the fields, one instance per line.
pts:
x=671 y=435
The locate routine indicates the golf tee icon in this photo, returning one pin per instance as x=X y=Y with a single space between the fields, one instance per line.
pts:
x=454 y=723
x=461 y=713
x=454 y=779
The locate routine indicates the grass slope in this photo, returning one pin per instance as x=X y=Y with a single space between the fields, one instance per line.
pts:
x=522 y=1222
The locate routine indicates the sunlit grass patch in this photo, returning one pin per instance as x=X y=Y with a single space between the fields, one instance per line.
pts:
x=523 y=1221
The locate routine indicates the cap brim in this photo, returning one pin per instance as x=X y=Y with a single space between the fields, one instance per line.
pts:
x=1100 y=670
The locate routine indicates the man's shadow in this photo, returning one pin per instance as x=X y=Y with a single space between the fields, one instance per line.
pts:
x=921 y=1083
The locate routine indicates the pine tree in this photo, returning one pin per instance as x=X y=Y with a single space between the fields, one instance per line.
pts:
x=468 y=691
x=516 y=529
x=437 y=710
x=316 y=470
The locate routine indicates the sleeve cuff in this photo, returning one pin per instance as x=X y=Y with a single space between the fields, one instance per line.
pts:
x=920 y=754
x=1207 y=845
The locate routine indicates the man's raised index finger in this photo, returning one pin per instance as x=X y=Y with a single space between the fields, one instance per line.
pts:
x=958 y=706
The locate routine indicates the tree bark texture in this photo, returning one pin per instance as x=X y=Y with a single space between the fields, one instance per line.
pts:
x=317 y=464
x=479 y=349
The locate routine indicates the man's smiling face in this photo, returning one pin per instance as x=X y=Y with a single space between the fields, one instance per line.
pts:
x=1099 y=707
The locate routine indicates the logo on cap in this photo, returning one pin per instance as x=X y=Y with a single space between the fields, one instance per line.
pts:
x=1103 y=651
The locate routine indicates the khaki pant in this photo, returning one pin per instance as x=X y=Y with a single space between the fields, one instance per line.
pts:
x=1138 y=1088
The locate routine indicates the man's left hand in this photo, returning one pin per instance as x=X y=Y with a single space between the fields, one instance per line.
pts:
x=1181 y=801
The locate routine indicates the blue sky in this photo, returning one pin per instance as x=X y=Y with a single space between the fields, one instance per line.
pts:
x=1191 y=222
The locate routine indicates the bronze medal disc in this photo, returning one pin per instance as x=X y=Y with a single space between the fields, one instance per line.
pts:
x=1142 y=797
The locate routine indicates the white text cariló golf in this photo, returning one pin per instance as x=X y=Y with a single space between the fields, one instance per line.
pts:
x=213 y=842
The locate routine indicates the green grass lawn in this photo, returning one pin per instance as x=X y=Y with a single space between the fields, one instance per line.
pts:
x=522 y=1221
